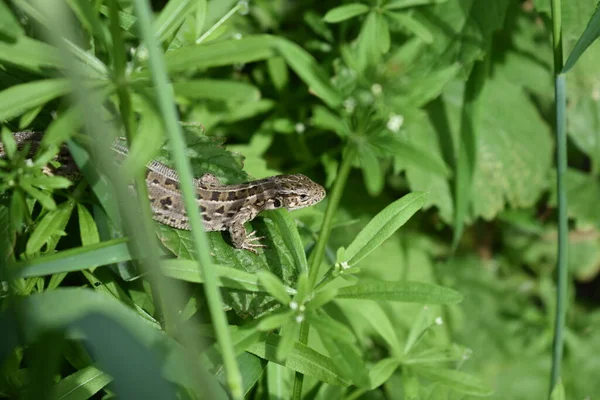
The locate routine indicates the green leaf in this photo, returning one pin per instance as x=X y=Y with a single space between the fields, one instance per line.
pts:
x=88 y=16
x=412 y=25
x=213 y=89
x=589 y=35
x=171 y=17
x=9 y=146
x=289 y=335
x=81 y=384
x=44 y=198
x=383 y=225
x=30 y=54
x=309 y=71
x=48 y=183
x=345 y=12
x=323 y=118
x=52 y=224
x=327 y=326
x=245 y=50
x=558 y=393
x=274 y=321
x=321 y=298
x=382 y=371
x=368 y=43
x=347 y=358
x=9 y=26
x=408 y=292
x=372 y=172
x=410 y=155
x=301 y=358
x=76 y=259
x=19 y=98
x=397 y=4
x=88 y=230
x=278 y=72
x=457 y=380
x=274 y=286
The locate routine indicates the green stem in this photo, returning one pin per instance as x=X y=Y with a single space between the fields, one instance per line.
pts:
x=166 y=104
x=561 y=169
x=319 y=252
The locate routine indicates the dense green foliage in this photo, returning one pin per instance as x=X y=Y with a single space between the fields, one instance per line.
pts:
x=427 y=273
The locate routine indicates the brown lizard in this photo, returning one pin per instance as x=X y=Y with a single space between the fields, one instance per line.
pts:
x=223 y=207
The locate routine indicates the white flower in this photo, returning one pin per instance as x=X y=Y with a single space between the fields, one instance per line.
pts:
x=349 y=104
x=376 y=89
x=293 y=305
x=395 y=122
x=300 y=127
x=439 y=321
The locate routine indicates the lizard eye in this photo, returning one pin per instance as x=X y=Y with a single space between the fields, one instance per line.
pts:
x=303 y=196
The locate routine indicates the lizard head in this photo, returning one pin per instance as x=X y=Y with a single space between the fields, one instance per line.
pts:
x=298 y=191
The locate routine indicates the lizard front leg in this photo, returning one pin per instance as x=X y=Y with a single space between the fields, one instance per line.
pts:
x=241 y=240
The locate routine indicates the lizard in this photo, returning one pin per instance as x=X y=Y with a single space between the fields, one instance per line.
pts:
x=223 y=207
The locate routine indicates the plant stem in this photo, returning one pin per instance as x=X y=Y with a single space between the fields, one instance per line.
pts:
x=561 y=169
x=319 y=252
x=166 y=105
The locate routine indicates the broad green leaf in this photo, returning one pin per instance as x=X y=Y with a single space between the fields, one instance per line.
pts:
x=518 y=151
x=381 y=372
x=372 y=171
x=9 y=26
x=589 y=35
x=309 y=71
x=457 y=380
x=345 y=12
x=88 y=231
x=383 y=225
x=88 y=312
x=81 y=384
x=274 y=286
x=301 y=358
x=20 y=98
x=408 y=154
x=30 y=54
x=408 y=292
x=229 y=52
x=76 y=259
x=412 y=25
x=213 y=89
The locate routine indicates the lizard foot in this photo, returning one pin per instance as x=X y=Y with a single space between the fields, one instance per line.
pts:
x=252 y=242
